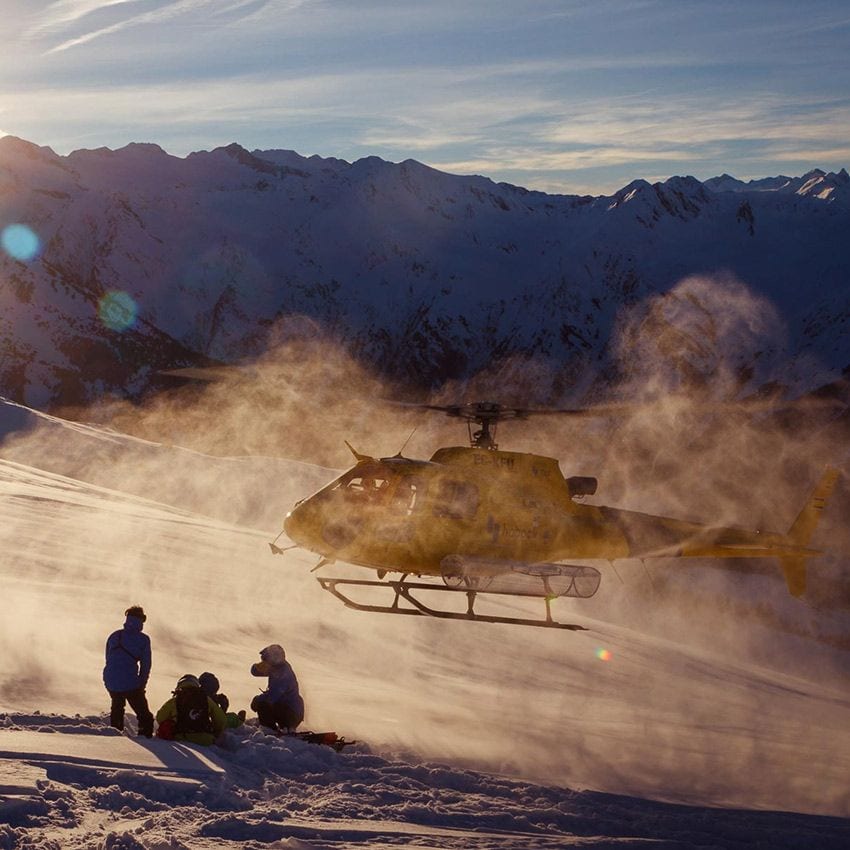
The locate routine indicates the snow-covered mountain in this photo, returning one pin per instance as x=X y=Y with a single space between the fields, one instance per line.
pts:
x=815 y=183
x=120 y=263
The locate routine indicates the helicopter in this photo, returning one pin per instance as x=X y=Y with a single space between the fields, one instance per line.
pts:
x=481 y=520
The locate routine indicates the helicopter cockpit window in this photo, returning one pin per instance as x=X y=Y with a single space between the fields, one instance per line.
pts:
x=367 y=487
x=456 y=500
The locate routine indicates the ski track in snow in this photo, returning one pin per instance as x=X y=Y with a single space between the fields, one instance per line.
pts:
x=471 y=735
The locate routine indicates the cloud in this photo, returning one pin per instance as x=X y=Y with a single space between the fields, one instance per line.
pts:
x=61 y=16
x=813 y=154
x=698 y=120
x=63 y=12
x=530 y=161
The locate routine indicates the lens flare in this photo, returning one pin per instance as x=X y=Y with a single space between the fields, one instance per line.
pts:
x=20 y=242
x=117 y=310
x=603 y=654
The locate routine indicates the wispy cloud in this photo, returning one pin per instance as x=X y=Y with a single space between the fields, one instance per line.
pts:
x=63 y=12
x=60 y=16
x=522 y=160
x=701 y=120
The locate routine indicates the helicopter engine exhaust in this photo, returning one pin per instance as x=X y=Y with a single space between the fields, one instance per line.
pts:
x=581 y=485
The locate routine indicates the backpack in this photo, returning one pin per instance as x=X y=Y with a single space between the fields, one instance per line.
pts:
x=193 y=711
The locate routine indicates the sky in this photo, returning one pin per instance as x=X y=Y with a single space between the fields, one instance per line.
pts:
x=558 y=95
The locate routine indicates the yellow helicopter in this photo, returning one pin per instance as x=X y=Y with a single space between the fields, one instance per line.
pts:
x=486 y=521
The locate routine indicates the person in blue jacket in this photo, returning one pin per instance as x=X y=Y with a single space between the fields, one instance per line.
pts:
x=128 y=666
x=280 y=707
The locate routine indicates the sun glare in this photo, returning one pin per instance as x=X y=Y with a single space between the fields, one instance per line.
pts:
x=20 y=242
x=117 y=310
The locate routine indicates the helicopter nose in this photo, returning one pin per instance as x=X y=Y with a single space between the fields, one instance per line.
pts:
x=311 y=528
x=303 y=526
x=293 y=526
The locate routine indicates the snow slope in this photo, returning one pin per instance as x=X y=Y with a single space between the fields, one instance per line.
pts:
x=75 y=785
x=476 y=735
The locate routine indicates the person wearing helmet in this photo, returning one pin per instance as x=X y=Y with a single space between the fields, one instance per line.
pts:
x=210 y=685
x=127 y=669
x=190 y=715
x=280 y=707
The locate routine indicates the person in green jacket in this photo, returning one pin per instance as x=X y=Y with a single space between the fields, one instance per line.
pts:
x=190 y=715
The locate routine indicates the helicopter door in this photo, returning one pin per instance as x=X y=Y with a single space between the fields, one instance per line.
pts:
x=456 y=499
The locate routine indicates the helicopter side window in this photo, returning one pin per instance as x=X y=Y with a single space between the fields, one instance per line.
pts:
x=456 y=500
x=408 y=494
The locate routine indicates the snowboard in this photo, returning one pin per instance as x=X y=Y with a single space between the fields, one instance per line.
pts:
x=328 y=739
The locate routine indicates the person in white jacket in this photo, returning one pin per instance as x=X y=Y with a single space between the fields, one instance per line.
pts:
x=279 y=707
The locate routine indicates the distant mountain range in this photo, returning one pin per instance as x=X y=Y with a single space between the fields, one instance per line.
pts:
x=121 y=263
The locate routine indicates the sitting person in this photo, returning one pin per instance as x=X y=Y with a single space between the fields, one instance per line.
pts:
x=210 y=685
x=190 y=715
x=280 y=707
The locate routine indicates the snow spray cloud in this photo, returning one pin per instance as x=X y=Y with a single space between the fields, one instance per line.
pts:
x=219 y=450
x=529 y=702
x=681 y=451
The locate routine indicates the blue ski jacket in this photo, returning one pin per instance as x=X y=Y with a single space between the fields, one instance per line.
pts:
x=128 y=658
x=283 y=684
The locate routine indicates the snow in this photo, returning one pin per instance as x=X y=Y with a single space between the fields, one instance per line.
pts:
x=79 y=785
x=677 y=727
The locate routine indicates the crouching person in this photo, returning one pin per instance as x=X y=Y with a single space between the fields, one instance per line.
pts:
x=280 y=707
x=190 y=715
x=210 y=685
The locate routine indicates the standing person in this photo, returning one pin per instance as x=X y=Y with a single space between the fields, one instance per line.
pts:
x=128 y=666
x=280 y=706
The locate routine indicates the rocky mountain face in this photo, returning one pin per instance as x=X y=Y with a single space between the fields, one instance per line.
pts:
x=121 y=263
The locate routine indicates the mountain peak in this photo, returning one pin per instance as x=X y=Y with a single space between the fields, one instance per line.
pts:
x=235 y=151
x=16 y=146
x=146 y=148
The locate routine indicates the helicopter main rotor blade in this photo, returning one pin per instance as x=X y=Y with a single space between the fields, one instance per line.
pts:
x=496 y=412
x=210 y=374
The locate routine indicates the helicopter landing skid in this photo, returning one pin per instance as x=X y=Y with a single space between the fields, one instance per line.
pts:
x=404 y=590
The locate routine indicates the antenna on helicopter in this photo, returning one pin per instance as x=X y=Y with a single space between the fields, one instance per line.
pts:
x=407 y=441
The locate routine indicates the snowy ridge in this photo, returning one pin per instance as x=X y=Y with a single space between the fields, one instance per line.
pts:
x=422 y=275
x=815 y=183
